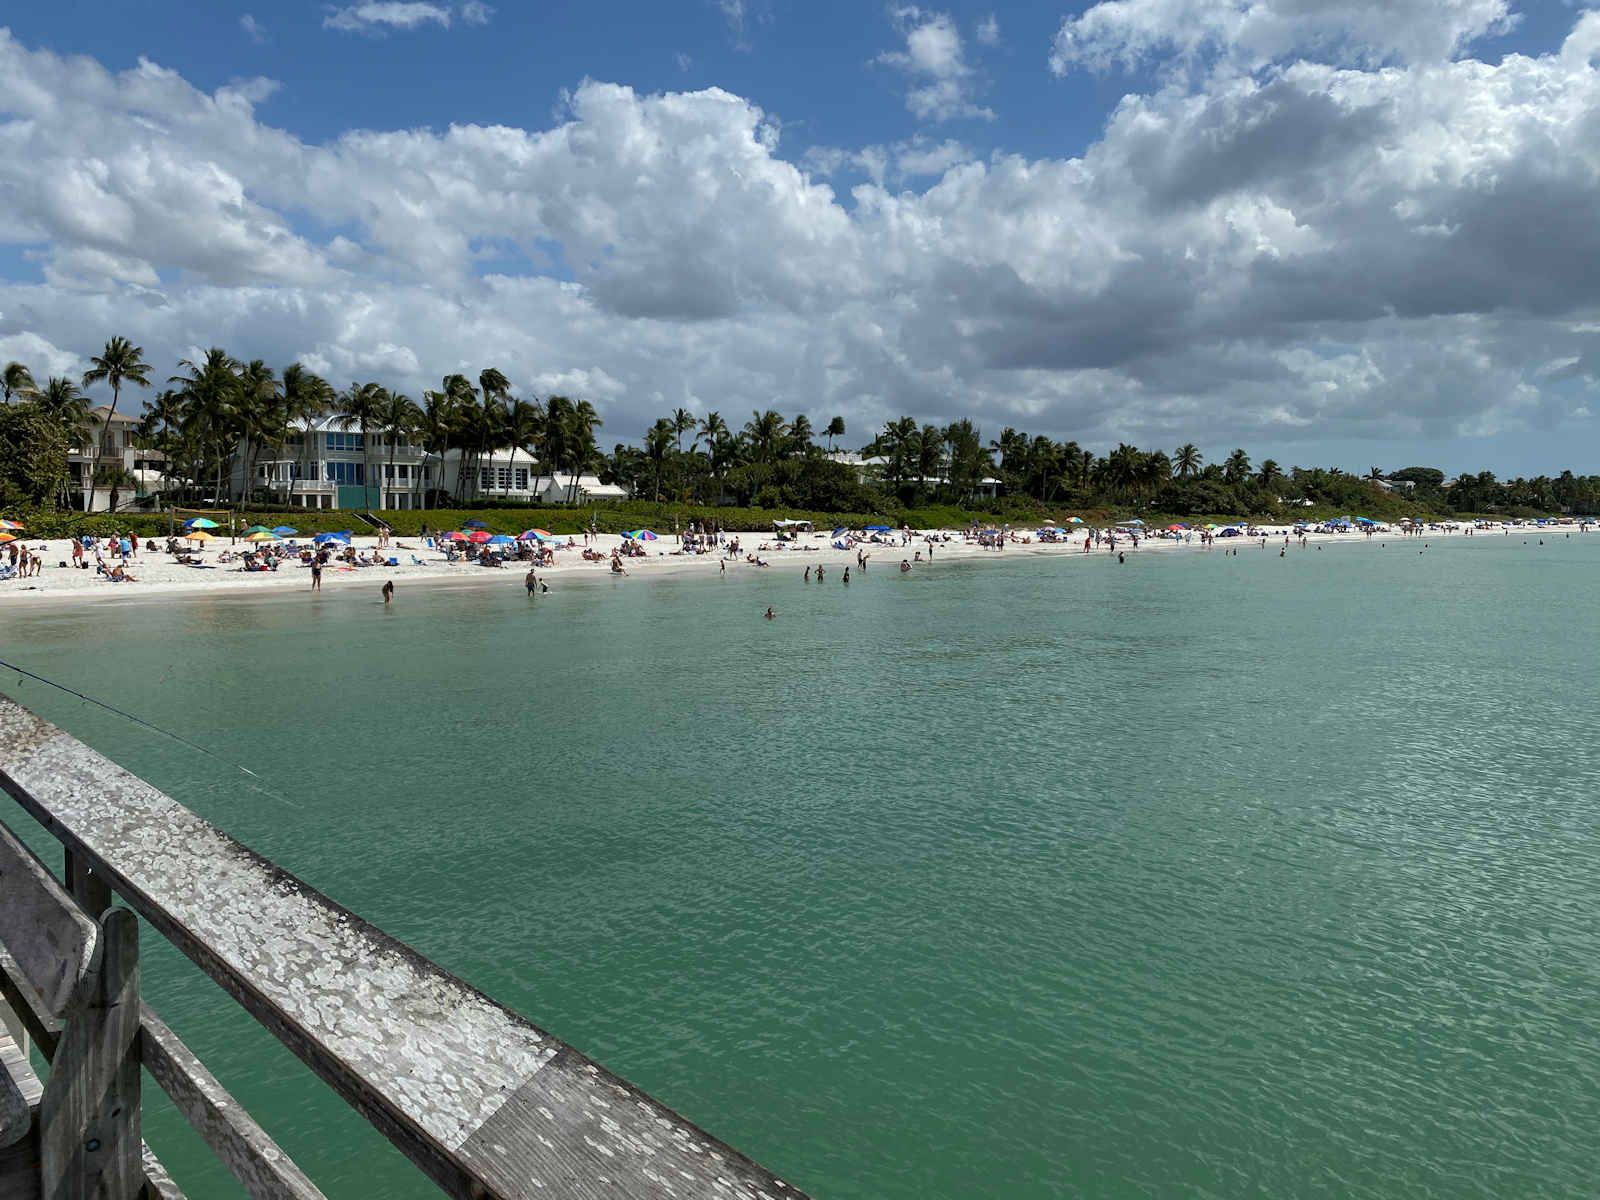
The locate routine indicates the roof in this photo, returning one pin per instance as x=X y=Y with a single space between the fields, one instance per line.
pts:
x=101 y=411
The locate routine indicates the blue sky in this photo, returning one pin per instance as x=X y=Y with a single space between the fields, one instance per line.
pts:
x=1305 y=229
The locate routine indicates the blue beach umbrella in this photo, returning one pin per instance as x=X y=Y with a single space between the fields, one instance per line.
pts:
x=323 y=538
x=285 y=530
x=501 y=539
x=474 y=524
x=878 y=529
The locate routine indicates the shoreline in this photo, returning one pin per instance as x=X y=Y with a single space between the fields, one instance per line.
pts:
x=159 y=577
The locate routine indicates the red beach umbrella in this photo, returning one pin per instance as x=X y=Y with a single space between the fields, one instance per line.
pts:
x=479 y=535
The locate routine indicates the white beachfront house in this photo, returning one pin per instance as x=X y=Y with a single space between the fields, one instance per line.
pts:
x=115 y=435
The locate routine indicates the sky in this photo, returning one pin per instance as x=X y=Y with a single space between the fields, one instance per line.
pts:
x=1336 y=232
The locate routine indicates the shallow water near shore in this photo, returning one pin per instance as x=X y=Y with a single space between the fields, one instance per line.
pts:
x=1199 y=875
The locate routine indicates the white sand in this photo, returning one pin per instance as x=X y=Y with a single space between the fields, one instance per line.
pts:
x=158 y=573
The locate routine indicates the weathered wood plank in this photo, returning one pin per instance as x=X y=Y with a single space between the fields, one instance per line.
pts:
x=255 y=1160
x=158 y=1184
x=427 y=1059
x=89 y=1116
x=42 y=929
x=575 y=1130
x=16 y=1105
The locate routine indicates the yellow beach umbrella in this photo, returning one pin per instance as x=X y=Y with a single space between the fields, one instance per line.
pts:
x=198 y=535
x=265 y=535
x=8 y=537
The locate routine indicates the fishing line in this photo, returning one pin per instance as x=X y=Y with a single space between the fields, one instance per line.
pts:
x=154 y=728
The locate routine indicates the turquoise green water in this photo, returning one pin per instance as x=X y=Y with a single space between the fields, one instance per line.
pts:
x=1200 y=876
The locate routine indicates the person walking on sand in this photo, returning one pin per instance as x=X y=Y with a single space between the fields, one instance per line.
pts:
x=388 y=591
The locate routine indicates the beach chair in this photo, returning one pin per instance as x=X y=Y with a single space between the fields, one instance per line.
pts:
x=415 y=561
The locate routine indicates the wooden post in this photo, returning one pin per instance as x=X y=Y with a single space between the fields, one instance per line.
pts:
x=89 y=1126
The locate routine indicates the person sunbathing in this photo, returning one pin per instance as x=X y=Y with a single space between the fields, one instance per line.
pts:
x=119 y=574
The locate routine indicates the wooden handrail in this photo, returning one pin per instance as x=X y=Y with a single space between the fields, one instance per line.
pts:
x=484 y=1102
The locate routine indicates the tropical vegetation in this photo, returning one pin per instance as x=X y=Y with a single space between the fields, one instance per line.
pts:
x=217 y=417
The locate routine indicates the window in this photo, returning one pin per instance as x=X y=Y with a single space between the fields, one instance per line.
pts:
x=522 y=479
x=344 y=441
x=396 y=473
x=345 y=472
x=483 y=478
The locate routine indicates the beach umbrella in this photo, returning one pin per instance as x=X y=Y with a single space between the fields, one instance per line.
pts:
x=1075 y=520
x=478 y=535
x=12 y=525
x=285 y=530
x=1176 y=528
x=501 y=539
x=640 y=535
x=7 y=537
x=535 y=535
x=259 y=529
x=457 y=536
x=839 y=532
x=261 y=535
x=200 y=523
x=197 y=535
x=474 y=524
x=878 y=529
x=324 y=538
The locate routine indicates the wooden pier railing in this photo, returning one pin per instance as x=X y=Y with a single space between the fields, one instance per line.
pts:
x=483 y=1102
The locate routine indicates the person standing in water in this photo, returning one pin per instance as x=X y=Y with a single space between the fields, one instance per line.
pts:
x=316 y=574
x=847 y=575
x=388 y=591
x=530 y=581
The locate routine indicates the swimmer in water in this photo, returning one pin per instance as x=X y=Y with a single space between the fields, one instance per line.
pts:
x=388 y=591
x=770 y=614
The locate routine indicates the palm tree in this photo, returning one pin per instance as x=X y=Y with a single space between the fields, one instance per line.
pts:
x=524 y=425
x=362 y=405
x=261 y=416
x=927 y=450
x=208 y=396
x=800 y=435
x=16 y=380
x=682 y=422
x=894 y=444
x=657 y=441
x=1270 y=473
x=120 y=362
x=1187 y=461
x=1375 y=474
x=712 y=427
x=398 y=418
x=765 y=432
x=435 y=428
x=1012 y=447
x=1237 y=467
x=581 y=450
x=306 y=399
x=64 y=412
x=835 y=429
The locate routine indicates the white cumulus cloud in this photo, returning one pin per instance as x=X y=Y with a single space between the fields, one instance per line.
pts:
x=943 y=85
x=1129 y=32
x=376 y=16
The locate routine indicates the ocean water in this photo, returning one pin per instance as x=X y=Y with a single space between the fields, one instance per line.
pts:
x=1199 y=876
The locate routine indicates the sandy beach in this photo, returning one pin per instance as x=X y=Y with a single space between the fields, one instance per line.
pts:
x=157 y=573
